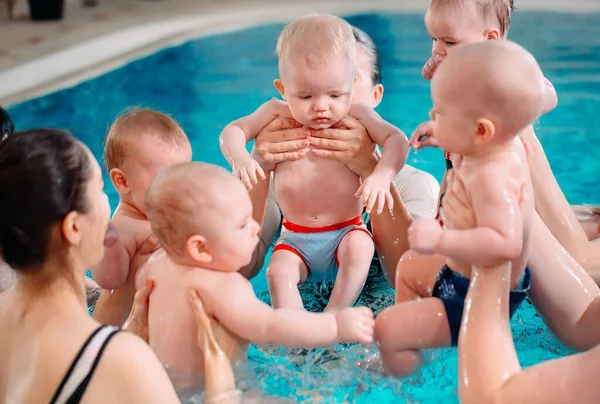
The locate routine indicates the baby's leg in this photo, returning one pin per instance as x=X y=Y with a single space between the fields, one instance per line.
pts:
x=285 y=271
x=403 y=329
x=416 y=275
x=355 y=253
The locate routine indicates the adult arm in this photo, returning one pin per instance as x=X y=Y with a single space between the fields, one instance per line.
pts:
x=556 y=212
x=489 y=370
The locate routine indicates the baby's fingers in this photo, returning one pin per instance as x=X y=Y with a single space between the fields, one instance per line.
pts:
x=390 y=200
x=252 y=174
x=372 y=198
x=246 y=180
x=381 y=199
x=261 y=172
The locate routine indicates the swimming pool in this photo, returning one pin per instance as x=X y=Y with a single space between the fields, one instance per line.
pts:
x=208 y=82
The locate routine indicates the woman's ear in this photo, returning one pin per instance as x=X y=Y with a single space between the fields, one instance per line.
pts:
x=377 y=95
x=71 y=228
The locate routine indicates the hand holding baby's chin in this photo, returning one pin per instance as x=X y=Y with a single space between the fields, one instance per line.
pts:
x=424 y=236
x=355 y=324
x=249 y=172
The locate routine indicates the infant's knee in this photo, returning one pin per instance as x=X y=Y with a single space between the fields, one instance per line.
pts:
x=357 y=243
x=277 y=273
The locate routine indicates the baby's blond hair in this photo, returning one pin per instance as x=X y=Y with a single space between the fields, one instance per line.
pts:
x=183 y=198
x=318 y=39
x=490 y=10
x=133 y=127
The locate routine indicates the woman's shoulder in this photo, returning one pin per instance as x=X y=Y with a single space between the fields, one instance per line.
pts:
x=129 y=371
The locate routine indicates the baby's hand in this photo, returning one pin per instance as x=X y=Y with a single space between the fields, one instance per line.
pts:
x=111 y=237
x=429 y=68
x=248 y=171
x=423 y=136
x=424 y=236
x=375 y=188
x=355 y=324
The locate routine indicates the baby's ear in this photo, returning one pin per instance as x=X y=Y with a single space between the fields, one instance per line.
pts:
x=119 y=181
x=485 y=131
x=279 y=86
x=492 y=33
x=196 y=247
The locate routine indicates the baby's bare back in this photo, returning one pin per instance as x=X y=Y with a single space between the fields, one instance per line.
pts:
x=316 y=192
x=510 y=174
x=172 y=326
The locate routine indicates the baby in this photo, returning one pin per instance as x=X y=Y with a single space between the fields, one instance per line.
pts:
x=322 y=226
x=484 y=94
x=451 y=23
x=202 y=217
x=138 y=145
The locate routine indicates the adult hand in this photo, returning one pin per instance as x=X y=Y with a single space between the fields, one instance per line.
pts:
x=348 y=142
x=137 y=323
x=283 y=139
x=456 y=209
x=218 y=373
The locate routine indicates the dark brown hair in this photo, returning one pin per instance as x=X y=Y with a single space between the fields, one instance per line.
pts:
x=44 y=175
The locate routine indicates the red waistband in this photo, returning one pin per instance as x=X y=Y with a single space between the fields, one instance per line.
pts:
x=357 y=221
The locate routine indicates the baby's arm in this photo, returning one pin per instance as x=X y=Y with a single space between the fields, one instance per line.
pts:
x=498 y=235
x=550 y=97
x=113 y=269
x=376 y=187
x=237 y=308
x=234 y=137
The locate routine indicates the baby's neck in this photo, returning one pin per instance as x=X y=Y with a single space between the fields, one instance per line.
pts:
x=185 y=260
x=127 y=208
x=488 y=152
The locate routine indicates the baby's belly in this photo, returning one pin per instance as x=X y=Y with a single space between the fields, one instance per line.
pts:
x=173 y=338
x=316 y=192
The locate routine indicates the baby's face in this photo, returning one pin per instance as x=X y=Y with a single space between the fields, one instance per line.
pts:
x=449 y=26
x=234 y=233
x=452 y=127
x=145 y=161
x=319 y=97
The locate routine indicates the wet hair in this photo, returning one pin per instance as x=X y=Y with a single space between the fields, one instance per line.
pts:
x=132 y=127
x=316 y=37
x=6 y=124
x=501 y=10
x=365 y=40
x=44 y=174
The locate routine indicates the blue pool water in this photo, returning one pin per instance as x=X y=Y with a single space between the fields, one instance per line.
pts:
x=208 y=82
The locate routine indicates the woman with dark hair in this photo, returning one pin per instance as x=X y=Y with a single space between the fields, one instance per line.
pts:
x=53 y=220
x=7 y=275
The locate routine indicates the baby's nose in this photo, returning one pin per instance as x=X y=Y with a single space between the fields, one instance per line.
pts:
x=320 y=104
